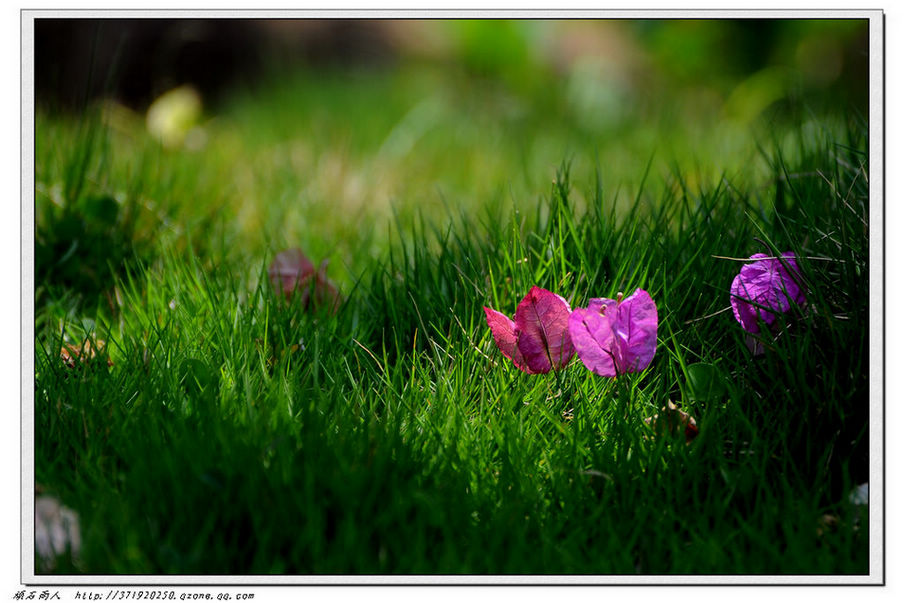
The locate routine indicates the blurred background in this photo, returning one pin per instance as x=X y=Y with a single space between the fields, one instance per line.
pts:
x=243 y=136
x=136 y=60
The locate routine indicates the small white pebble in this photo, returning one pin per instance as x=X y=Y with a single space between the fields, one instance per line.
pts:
x=860 y=495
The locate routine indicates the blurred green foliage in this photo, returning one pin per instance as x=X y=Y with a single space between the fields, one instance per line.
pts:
x=473 y=113
x=819 y=56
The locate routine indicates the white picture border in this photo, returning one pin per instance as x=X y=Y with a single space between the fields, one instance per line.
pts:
x=876 y=575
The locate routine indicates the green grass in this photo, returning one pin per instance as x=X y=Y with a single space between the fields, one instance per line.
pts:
x=237 y=434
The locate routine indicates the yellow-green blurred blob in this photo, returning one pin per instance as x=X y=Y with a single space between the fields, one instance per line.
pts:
x=753 y=95
x=172 y=118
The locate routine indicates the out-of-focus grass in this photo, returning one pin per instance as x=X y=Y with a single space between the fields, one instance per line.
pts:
x=328 y=159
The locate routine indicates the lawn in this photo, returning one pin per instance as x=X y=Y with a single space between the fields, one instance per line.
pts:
x=219 y=427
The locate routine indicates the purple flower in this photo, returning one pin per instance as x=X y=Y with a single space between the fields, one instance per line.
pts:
x=537 y=341
x=615 y=336
x=764 y=288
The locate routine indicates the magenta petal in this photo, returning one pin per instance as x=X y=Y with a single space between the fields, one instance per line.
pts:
x=541 y=326
x=613 y=337
x=593 y=338
x=635 y=325
x=764 y=288
x=744 y=313
x=503 y=329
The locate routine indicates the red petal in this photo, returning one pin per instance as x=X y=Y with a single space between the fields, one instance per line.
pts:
x=503 y=329
x=541 y=326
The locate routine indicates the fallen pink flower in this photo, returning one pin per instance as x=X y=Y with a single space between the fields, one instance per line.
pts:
x=615 y=336
x=764 y=288
x=293 y=273
x=289 y=268
x=537 y=340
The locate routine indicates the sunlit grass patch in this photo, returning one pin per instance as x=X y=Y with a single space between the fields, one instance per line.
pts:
x=236 y=429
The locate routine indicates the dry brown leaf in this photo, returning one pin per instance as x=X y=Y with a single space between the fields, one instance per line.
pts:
x=71 y=354
x=672 y=420
x=827 y=524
